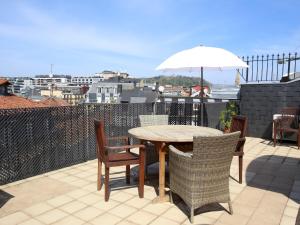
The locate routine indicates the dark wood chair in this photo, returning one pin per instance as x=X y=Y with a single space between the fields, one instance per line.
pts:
x=239 y=123
x=288 y=122
x=108 y=155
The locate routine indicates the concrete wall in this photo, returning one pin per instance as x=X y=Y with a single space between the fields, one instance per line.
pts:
x=260 y=101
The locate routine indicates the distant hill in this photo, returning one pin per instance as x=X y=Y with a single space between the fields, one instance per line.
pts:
x=176 y=80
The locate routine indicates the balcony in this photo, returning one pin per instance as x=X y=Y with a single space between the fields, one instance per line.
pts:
x=48 y=172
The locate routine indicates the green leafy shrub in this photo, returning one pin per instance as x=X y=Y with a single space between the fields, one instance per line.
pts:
x=226 y=115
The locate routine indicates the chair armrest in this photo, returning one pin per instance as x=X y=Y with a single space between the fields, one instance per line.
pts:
x=181 y=168
x=123 y=147
x=180 y=153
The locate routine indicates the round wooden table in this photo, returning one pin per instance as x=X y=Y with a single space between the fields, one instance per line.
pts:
x=163 y=135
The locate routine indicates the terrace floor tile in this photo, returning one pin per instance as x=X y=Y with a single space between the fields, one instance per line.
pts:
x=51 y=216
x=88 y=213
x=14 y=218
x=123 y=210
x=269 y=195
x=38 y=209
x=31 y=222
x=107 y=219
x=73 y=206
x=141 y=218
x=69 y=220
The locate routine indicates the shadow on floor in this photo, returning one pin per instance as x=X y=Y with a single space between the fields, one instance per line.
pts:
x=277 y=174
x=4 y=198
x=274 y=173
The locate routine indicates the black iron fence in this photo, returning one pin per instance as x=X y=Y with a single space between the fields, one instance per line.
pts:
x=35 y=141
x=271 y=67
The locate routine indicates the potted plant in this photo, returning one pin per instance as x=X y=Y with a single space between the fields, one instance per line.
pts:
x=226 y=116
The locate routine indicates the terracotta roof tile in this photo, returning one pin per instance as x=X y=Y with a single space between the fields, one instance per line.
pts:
x=13 y=101
x=4 y=81
x=54 y=102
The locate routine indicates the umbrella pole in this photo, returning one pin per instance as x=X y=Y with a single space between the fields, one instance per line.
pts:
x=202 y=96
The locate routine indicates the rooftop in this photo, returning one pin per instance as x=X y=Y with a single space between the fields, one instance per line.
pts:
x=269 y=195
x=4 y=81
x=13 y=101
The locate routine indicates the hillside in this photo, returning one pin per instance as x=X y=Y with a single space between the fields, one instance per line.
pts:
x=176 y=80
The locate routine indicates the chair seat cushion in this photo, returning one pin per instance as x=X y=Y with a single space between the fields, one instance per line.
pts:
x=124 y=156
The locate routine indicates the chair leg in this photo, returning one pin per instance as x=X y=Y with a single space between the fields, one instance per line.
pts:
x=146 y=171
x=240 y=169
x=106 y=183
x=99 y=176
x=141 y=172
x=127 y=174
x=275 y=137
x=230 y=207
x=192 y=215
x=298 y=139
x=171 y=197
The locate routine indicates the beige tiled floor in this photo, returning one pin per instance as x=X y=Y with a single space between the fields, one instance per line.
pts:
x=269 y=195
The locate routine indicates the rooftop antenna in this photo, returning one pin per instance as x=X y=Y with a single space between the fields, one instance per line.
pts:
x=52 y=82
x=51 y=71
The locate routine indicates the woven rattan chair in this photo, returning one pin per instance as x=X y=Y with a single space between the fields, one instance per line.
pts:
x=151 y=155
x=202 y=176
x=288 y=122
x=117 y=156
x=239 y=123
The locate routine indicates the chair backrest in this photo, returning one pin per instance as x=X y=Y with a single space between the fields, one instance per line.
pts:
x=290 y=111
x=239 y=123
x=289 y=117
x=212 y=147
x=211 y=160
x=151 y=120
x=100 y=138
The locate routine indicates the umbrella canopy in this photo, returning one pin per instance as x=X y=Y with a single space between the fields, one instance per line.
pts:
x=199 y=58
x=194 y=59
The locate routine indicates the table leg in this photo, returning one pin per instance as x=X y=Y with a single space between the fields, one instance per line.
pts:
x=161 y=147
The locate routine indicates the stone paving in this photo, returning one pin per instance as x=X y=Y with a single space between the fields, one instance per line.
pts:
x=269 y=195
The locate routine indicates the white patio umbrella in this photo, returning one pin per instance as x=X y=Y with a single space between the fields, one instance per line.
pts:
x=199 y=58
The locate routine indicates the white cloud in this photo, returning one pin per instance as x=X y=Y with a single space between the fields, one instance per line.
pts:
x=47 y=30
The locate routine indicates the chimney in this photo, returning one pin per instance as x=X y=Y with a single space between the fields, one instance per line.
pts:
x=156 y=86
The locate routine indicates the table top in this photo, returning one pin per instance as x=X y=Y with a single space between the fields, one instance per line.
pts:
x=172 y=133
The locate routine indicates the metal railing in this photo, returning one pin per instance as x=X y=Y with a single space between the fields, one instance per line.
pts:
x=273 y=67
x=38 y=140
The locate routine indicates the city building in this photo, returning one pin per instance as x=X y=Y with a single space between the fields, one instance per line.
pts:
x=107 y=74
x=139 y=95
x=86 y=80
x=46 y=80
x=10 y=101
x=107 y=92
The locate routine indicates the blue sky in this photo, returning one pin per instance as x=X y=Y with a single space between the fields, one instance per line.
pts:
x=84 y=37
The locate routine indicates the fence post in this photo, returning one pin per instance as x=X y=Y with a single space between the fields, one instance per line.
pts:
x=289 y=65
x=247 y=70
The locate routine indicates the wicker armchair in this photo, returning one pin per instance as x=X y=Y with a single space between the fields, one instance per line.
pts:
x=202 y=176
x=151 y=155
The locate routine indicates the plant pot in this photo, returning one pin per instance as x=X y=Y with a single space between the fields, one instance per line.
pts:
x=226 y=130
